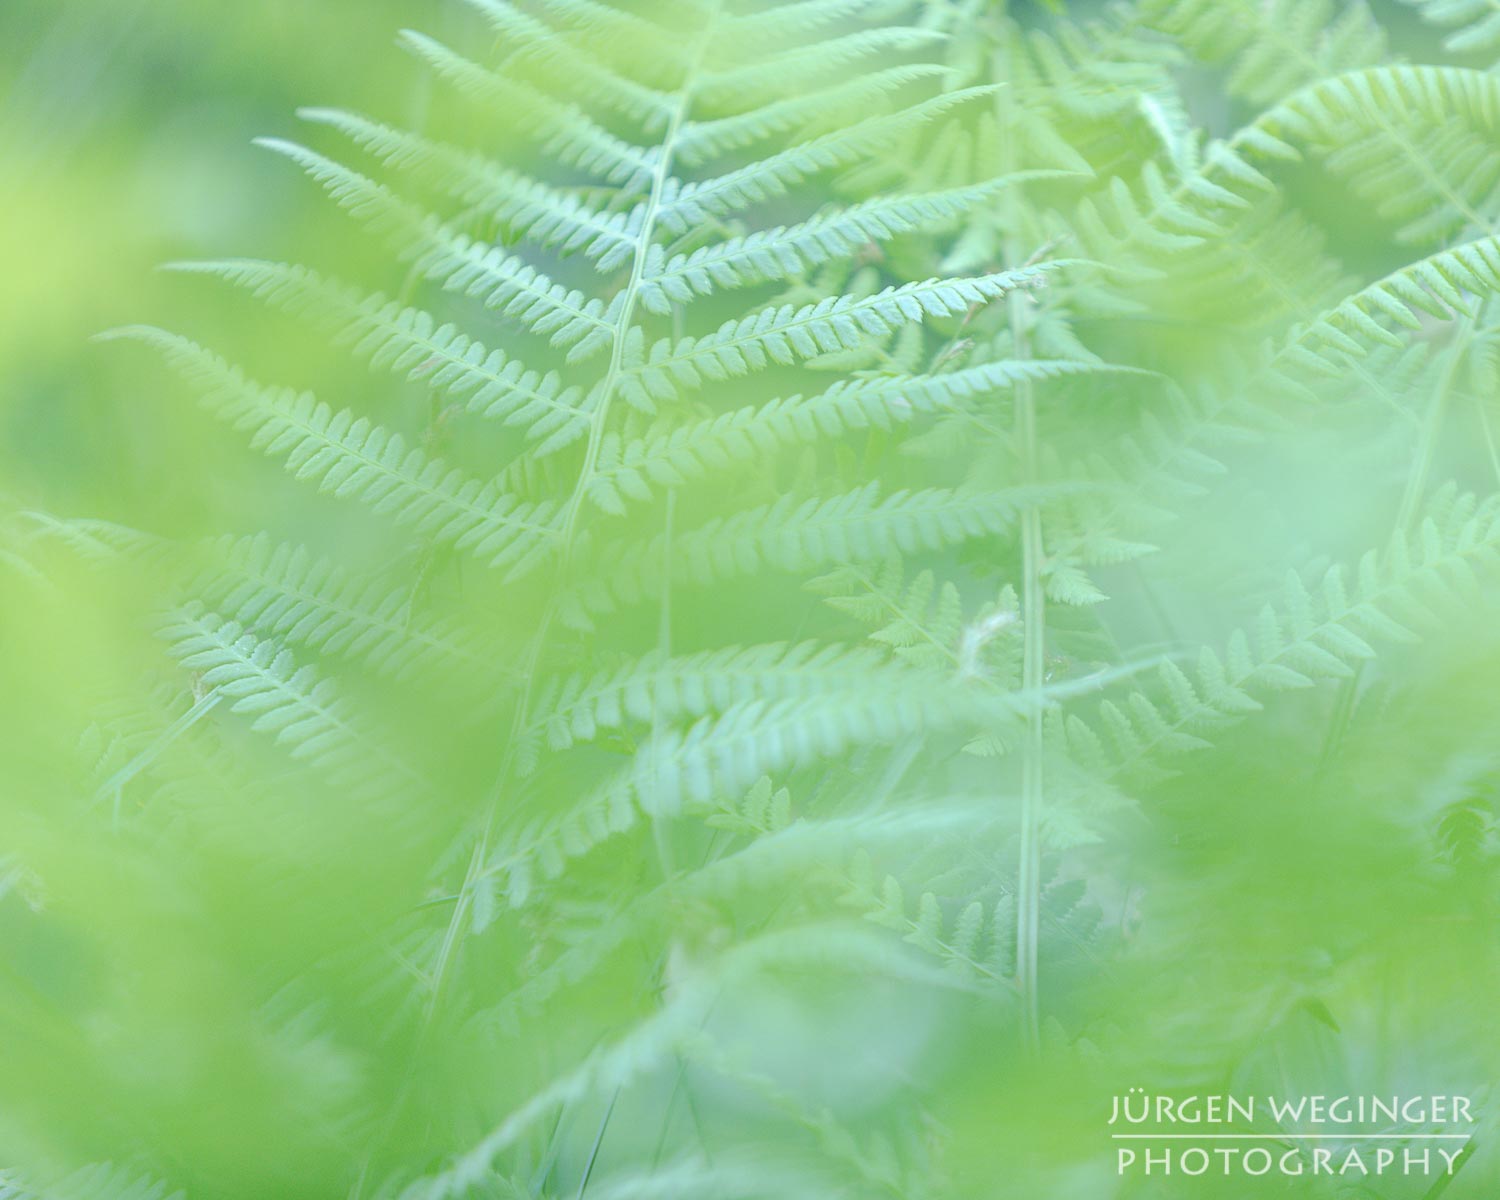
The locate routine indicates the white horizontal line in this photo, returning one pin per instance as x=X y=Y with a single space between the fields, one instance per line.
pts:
x=1281 y=1137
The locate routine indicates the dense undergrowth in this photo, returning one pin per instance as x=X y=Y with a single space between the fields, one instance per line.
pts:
x=800 y=596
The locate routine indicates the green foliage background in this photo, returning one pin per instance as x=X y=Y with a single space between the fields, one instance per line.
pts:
x=837 y=766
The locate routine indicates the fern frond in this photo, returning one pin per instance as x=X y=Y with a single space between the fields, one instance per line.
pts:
x=541 y=213
x=565 y=131
x=1272 y=48
x=802 y=535
x=762 y=81
x=575 y=708
x=1168 y=216
x=829 y=945
x=1440 y=286
x=727 y=753
x=352 y=458
x=775 y=859
x=763 y=31
x=1380 y=94
x=101 y=542
x=460 y=264
x=920 y=619
x=1309 y=636
x=682 y=770
x=701 y=201
x=101 y=1181
x=1475 y=24
x=702 y=141
x=786 y=251
x=1418 y=141
x=630 y=470
x=259 y=679
x=412 y=342
x=977 y=944
x=285 y=591
x=533 y=45
x=633 y=35
x=789 y=334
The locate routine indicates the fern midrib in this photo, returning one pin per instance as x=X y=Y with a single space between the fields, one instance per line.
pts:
x=1428 y=171
x=632 y=292
x=1033 y=675
x=458 y=923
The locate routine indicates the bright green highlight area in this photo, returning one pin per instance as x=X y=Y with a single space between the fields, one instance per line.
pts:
x=692 y=599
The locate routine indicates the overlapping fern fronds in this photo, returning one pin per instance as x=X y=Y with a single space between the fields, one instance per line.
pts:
x=718 y=501
x=623 y=301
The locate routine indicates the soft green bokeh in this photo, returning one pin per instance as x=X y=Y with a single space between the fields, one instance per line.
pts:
x=464 y=956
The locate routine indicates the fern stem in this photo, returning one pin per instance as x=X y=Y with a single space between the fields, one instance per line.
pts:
x=631 y=296
x=458 y=923
x=1034 y=616
x=664 y=652
x=1432 y=427
x=114 y=786
x=588 y=1169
